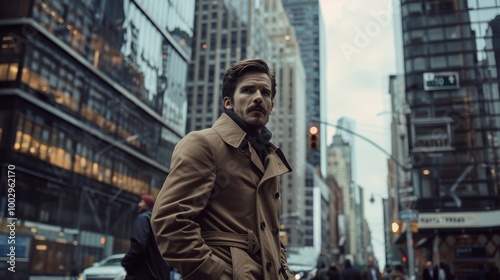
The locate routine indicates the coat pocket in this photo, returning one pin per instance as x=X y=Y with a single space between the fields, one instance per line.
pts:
x=244 y=267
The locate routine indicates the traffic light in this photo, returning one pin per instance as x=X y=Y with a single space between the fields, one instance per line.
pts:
x=313 y=139
x=414 y=226
x=396 y=227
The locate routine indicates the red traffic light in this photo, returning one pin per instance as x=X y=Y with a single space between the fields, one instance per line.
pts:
x=313 y=139
x=313 y=130
x=396 y=227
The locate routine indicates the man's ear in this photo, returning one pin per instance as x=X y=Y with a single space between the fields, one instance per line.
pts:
x=227 y=103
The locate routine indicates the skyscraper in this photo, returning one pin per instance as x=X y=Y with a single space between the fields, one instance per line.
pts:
x=450 y=52
x=225 y=32
x=288 y=121
x=307 y=20
x=306 y=17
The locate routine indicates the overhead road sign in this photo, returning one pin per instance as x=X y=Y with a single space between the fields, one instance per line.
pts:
x=441 y=80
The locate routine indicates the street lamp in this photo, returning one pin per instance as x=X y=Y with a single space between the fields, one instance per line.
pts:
x=372 y=198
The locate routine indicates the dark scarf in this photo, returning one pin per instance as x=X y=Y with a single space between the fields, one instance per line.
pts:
x=258 y=140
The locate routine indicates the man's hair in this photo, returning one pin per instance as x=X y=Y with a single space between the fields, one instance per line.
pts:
x=241 y=68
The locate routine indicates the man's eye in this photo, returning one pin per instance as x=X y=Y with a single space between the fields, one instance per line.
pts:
x=266 y=92
x=246 y=90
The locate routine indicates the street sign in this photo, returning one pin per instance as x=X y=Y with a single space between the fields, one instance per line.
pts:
x=441 y=80
x=408 y=198
x=405 y=190
x=408 y=215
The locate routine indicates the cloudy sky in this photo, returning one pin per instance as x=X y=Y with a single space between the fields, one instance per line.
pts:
x=360 y=58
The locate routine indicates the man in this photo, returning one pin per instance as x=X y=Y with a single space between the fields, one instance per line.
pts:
x=143 y=260
x=398 y=273
x=371 y=272
x=387 y=271
x=333 y=272
x=217 y=215
x=429 y=272
x=349 y=273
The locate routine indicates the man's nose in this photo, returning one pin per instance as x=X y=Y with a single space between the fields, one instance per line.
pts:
x=258 y=97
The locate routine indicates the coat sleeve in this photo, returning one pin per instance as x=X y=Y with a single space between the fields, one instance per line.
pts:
x=138 y=243
x=183 y=196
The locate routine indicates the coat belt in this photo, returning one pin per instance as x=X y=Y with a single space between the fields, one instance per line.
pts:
x=243 y=241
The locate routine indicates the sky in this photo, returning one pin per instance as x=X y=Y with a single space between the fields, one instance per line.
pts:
x=360 y=57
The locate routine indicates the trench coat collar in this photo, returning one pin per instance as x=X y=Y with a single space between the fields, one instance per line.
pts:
x=233 y=135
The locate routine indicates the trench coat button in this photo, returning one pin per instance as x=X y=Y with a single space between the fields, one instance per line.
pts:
x=276 y=230
x=268 y=265
x=277 y=195
x=262 y=225
x=259 y=190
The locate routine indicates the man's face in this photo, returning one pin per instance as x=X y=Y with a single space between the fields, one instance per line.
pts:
x=252 y=100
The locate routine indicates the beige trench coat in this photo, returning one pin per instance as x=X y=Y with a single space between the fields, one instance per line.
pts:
x=217 y=215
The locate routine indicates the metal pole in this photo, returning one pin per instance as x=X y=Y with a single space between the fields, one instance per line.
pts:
x=409 y=246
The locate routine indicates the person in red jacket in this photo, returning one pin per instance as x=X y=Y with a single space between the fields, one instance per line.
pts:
x=143 y=260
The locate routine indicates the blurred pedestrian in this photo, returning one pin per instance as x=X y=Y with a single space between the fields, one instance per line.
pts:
x=398 y=273
x=429 y=272
x=73 y=272
x=321 y=272
x=387 y=272
x=143 y=260
x=444 y=272
x=333 y=272
x=371 y=271
x=349 y=272
x=217 y=215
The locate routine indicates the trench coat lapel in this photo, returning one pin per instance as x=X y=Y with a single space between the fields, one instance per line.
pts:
x=275 y=165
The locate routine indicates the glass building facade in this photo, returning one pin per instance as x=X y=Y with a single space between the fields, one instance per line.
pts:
x=226 y=31
x=306 y=18
x=93 y=100
x=451 y=86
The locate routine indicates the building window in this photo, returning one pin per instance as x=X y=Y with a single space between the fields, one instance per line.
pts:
x=437 y=62
x=419 y=64
x=8 y=71
x=33 y=138
x=435 y=34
